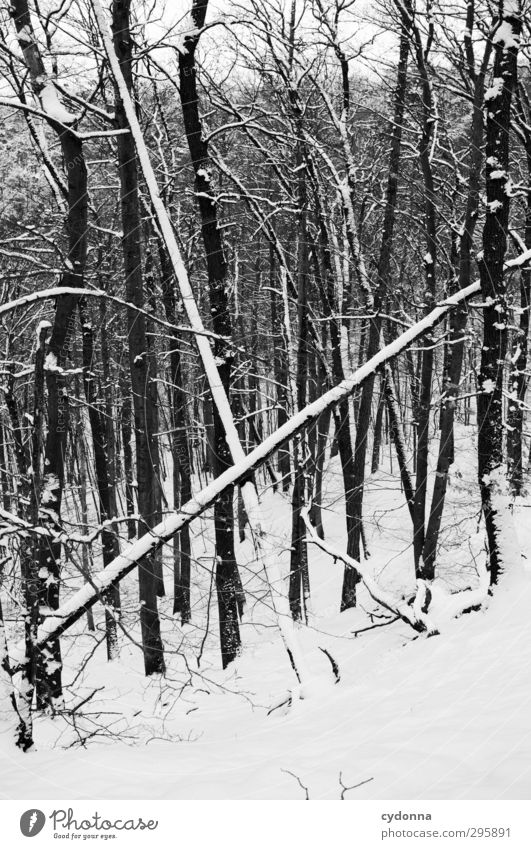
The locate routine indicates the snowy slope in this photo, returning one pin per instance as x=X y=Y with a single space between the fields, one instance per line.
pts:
x=444 y=717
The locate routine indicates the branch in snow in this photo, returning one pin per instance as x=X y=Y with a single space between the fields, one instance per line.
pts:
x=432 y=606
x=414 y=616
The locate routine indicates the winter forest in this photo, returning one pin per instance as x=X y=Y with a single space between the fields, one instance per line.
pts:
x=265 y=274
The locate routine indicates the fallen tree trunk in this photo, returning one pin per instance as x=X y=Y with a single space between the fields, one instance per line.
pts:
x=82 y=600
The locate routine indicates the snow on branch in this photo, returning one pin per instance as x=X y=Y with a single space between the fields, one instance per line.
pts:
x=53 y=108
x=56 y=291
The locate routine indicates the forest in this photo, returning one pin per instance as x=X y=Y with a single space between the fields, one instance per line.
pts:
x=265 y=279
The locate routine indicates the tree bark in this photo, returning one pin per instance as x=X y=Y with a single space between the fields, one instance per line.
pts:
x=104 y=485
x=49 y=684
x=382 y=287
x=495 y=317
x=144 y=424
x=518 y=380
x=227 y=579
x=458 y=319
x=182 y=473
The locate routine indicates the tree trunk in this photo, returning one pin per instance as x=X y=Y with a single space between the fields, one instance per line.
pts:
x=382 y=288
x=104 y=485
x=458 y=321
x=227 y=578
x=144 y=424
x=518 y=378
x=495 y=318
x=182 y=473
x=299 y=585
x=279 y=367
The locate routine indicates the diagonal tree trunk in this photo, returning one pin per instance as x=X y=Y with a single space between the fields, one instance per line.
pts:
x=76 y=606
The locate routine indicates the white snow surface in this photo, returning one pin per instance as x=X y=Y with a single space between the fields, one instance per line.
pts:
x=506 y=35
x=439 y=717
x=53 y=106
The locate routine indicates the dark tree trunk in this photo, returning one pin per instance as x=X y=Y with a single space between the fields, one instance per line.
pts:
x=491 y=474
x=29 y=557
x=422 y=413
x=144 y=423
x=104 y=485
x=377 y=438
x=518 y=379
x=49 y=685
x=299 y=586
x=153 y=401
x=182 y=473
x=457 y=321
x=382 y=287
x=227 y=577
x=125 y=428
x=279 y=366
x=80 y=457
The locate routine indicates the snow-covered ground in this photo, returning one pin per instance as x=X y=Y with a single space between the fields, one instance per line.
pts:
x=443 y=717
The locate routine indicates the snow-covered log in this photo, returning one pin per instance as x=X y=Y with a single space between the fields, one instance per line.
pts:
x=75 y=607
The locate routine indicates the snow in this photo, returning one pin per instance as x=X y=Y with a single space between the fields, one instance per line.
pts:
x=50 y=363
x=26 y=34
x=506 y=35
x=50 y=486
x=494 y=91
x=189 y=33
x=411 y=717
x=438 y=718
x=53 y=107
x=524 y=257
